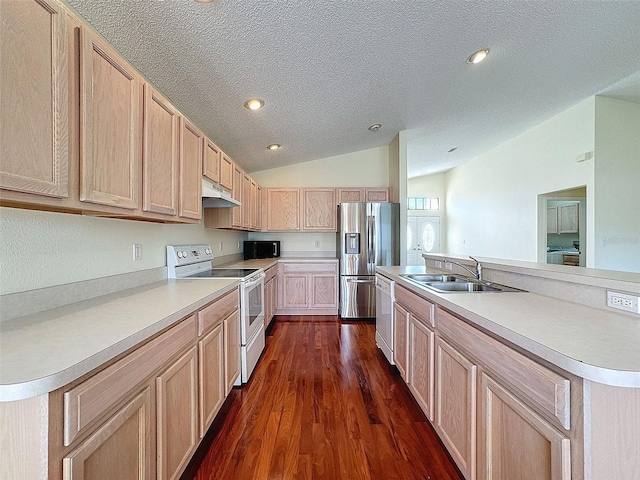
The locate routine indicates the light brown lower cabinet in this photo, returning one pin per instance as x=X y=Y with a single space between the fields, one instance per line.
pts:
x=212 y=379
x=270 y=295
x=308 y=288
x=421 y=360
x=177 y=415
x=140 y=417
x=232 y=350
x=120 y=448
x=455 y=418
x=401 y=340
x=515 y=442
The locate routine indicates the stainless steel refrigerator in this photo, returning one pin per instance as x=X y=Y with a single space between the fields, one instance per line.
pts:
x=368 y=236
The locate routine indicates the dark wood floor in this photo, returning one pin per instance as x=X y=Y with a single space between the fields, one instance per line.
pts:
x=323 y=403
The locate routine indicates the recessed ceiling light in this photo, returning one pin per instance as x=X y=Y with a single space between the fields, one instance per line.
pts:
x=478 y=56
x=273 y=146
x=254 y=104
x=375 y=127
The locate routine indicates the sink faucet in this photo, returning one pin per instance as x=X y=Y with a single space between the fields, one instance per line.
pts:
x=478 y=270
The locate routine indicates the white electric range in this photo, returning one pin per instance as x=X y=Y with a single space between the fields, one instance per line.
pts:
x=194 y=262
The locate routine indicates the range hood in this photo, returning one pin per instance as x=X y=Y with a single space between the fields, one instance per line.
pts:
x=213 y=197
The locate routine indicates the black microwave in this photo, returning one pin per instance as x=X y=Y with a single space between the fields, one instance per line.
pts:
x=261 y=249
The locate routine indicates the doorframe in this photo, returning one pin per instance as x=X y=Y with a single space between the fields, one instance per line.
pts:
x=543 y=200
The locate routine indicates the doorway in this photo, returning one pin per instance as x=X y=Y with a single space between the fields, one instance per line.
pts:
x=423 y=236
x=562 y=227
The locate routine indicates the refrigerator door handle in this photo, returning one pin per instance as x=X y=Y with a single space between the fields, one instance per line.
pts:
x=374 y=244
x=369 y=242
x=350 y=280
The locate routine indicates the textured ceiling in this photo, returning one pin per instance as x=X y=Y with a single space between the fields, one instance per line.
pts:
x=328 y=69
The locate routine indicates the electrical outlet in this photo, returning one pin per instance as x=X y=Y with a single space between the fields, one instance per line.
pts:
x=239 y=245
x=448 y=266
x=220 y=248
x=317 y=243
x=438 y=264
x=137 y=252
x=623 y=301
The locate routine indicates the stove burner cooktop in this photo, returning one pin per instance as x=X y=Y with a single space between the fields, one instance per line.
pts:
x=224 y=273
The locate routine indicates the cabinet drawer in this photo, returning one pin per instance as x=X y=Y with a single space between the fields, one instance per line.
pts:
x=88 y=401
x=269 y=274
x=420 y=308
x=544 y=389
x=216 y=312
x=309 y=268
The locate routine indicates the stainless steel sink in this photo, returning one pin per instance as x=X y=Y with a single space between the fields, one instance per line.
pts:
x=430 y=278
x=463 y=287
x=454 y=283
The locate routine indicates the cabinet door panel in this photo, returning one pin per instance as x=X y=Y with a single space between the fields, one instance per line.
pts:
x=238 y=184
x=34 y=102
x=177 y=415
x=377 y=194
x=110 y=104
x=350 y=195
x=324 y=291
x=247 y=205
x=226 y=172
x=515 y=442
x=211 y=161
x=191 y=141
x=232 y=350
x=283 y=209
x=295 y=291
x=421 y=370
x=121 y=448
x=455 y=419
x=319 y=209
x=400 y=335
x=159 y=154
x=212 y=381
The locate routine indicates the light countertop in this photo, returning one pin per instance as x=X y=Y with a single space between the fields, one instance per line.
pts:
x=594 y=344
x=45 y=351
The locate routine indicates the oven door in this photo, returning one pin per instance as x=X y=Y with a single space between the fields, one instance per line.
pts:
x=252 y=308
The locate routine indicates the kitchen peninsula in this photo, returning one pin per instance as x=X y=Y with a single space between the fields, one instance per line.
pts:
x=567 y=375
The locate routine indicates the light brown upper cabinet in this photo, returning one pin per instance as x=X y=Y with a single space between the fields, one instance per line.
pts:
x=110 y=116
x=159 y=154
x=350 y=195
x=363 y=194
x=34 y=99
x=247 y=204
x=191 y=142
x=238 y=183
x=283 y=209
x=319 y=209
x=226 y=172
x=376 y=194
x=211 y=161
x=256 y=204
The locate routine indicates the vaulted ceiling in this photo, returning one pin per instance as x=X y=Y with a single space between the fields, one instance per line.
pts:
x=329 y=69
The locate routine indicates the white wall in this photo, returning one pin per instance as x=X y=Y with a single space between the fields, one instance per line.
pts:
x=491 y=201
x=617 y=185
x=429 y=186
x=365 y=168
x=43 y=249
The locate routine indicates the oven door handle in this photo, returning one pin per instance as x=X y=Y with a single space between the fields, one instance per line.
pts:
x=255 y=282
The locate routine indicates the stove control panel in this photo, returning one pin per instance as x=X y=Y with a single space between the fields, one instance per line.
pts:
x=178 y=255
